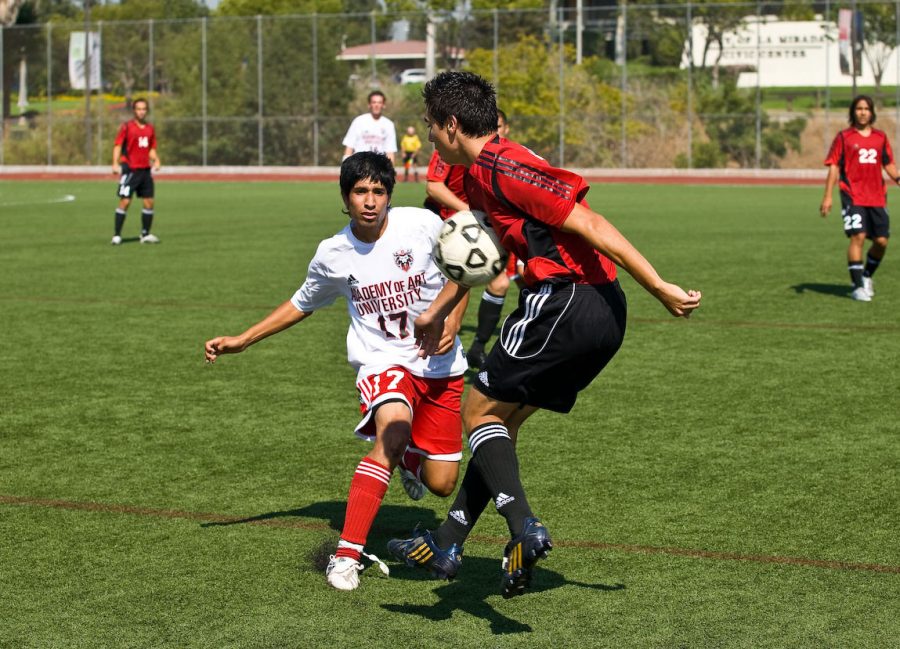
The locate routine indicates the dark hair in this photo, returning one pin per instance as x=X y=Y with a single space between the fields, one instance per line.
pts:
x=856 y=100
x=465 y=96
x=139 y=100
x=375 y=93
x=367 y=165
x=502 y=115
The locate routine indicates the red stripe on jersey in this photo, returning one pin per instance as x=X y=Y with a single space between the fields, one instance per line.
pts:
x=524 y=173
x=527 y=200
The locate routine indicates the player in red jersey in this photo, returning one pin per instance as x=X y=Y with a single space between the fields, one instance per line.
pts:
x=855 y=160
x=134 y=155
x=569 y=323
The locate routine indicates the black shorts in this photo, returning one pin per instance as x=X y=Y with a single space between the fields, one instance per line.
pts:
x=874 y=221
x=409 y=156
x=554 y=344
x=135 y=181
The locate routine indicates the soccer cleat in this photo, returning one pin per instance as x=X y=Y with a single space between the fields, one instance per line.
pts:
x=476 y=356
x=343 y=572
x=116 y=240
x=860 y=294
x=149 y=238
x=413 y=486
x=520 y=556
x=422 y=550
x=869 y=285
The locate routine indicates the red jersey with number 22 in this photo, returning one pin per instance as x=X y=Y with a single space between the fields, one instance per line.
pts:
x=527 y=201
x=860 y=159
x=136 y=142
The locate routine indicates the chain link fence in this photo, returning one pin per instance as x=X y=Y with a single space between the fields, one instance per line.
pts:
x=746 y=85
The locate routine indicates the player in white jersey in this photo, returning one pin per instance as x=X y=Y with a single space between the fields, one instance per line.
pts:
x=372 y=131
x=381 y=263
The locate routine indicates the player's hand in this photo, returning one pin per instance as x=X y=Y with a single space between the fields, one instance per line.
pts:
x=223 y=345
x=679 y=302
x=825 y=207
x=156 y=165
x=117 y=170
x=448 y=337
x=429 y=333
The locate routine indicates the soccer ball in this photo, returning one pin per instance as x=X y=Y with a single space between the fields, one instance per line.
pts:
x=468 y=251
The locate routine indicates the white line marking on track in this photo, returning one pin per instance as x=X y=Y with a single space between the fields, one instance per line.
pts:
x=65 y=198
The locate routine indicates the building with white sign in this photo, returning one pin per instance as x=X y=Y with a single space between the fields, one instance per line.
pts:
x=788 y=53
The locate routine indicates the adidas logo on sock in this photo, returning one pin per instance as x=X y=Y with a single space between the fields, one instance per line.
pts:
x=482 y=376
x=503 y=499
x=459 y=516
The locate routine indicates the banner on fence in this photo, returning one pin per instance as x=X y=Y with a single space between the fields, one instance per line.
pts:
x=77 y=56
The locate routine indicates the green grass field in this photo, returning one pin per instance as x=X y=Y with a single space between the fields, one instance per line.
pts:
x=729 y=481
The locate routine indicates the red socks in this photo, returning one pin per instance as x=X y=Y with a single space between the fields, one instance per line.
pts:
x=367 y=489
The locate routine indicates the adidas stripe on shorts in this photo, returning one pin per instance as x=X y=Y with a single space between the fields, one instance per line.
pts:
x=554 y=344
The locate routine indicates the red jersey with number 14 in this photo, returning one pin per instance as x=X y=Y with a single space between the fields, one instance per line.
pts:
x=860 y=160
x=136 y=142
x=527 y=201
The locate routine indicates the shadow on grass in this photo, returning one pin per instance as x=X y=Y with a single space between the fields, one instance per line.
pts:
x=839 y=290
x=478 y=580
x=402 y=516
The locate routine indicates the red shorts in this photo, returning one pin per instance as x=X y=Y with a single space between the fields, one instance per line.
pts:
x=434 y=404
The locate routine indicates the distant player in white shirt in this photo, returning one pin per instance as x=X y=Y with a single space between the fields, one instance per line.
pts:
x=372 y=131
x=381 y=264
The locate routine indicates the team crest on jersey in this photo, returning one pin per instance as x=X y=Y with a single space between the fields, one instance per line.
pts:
x=403 y=258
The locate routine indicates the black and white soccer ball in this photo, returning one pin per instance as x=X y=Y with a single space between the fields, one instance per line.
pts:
x=468 y=251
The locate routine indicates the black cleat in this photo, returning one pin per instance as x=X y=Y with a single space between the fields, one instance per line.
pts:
x=476 y=356
x=422 y=550
x=520 y=556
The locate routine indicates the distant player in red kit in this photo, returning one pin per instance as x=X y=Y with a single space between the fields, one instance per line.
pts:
x=134 y=154
x=856 y=158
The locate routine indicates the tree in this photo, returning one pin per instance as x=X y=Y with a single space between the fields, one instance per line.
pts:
x=9 y=10
x=729 y=121
x=880 y=33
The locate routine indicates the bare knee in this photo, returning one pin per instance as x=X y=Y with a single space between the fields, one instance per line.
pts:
x=440 y=477
x=499 y=285
x=443 y=487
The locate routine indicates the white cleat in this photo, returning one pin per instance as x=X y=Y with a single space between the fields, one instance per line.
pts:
x=116 y=240
x=149 y=238
x=869 y=285
x=860 y=294
x=343 y=573
x=413 y=486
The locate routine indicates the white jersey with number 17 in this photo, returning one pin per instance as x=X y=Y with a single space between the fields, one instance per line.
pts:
x=387 y=285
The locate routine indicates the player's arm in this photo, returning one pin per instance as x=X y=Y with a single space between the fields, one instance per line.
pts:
x=390 y=156
x=284 y=316
x=348 y=151
x=891 y=170
x=443 y=195
x=117 y=154
x=429 y=327
x=452 y=325
x=154 y=159
x=604 y=237
x=830 y=181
